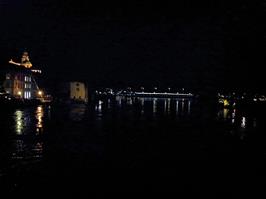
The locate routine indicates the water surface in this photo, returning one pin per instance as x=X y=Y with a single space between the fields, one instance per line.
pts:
x=131 y=144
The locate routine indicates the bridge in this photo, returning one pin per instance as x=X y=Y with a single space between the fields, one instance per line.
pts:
x=156 y=94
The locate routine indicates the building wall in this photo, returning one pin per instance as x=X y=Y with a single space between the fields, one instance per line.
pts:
x=78 y=91
x=19 y=85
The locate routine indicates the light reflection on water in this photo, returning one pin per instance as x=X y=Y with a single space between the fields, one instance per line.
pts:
x=189 y=106
x=28 y=145
x=28 y=124
x=99 y=109
x=23 y=150
x=154 y=108
x=243 y=122
x=39 y=116
x=77 y=112
x=19 y=121
x=168 y=106
x=157 y=106
x=240 y=122
x=31 y=121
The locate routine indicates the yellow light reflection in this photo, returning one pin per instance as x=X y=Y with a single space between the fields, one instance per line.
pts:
x=225 y=113
x=39 y=116
x=19 y=122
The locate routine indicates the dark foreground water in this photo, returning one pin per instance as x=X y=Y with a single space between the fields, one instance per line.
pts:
x=136 y=144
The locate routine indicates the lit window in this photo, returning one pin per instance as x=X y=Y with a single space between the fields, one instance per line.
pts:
x=27 y=95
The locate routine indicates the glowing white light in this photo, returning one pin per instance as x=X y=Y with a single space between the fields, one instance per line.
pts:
x=243 y=122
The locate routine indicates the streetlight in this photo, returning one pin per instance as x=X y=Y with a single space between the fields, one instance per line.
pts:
x=40 y=93
x=19 y=93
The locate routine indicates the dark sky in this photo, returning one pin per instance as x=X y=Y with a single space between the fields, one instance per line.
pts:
x=188 y=44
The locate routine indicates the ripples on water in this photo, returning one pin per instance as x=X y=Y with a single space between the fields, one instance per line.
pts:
x=24 y=143
x=29 y=122
x=28 y=128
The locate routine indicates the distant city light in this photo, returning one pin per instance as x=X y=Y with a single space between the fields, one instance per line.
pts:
x=226 y=103
x=37 y=71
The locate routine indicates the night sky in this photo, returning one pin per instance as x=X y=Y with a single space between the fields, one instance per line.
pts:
x=140 y=43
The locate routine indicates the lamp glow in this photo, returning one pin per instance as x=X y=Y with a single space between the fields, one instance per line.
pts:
x=40 y=93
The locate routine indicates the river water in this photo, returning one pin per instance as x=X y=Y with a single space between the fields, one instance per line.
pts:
x=131 y=144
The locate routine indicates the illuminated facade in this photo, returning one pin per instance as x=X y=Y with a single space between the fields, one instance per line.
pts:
x=20 y=84
x=18 y=79
x=78 y=91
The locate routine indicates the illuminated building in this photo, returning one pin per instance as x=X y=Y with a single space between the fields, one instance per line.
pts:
x=19 y=80
x=74 y=91
x=78 y=91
